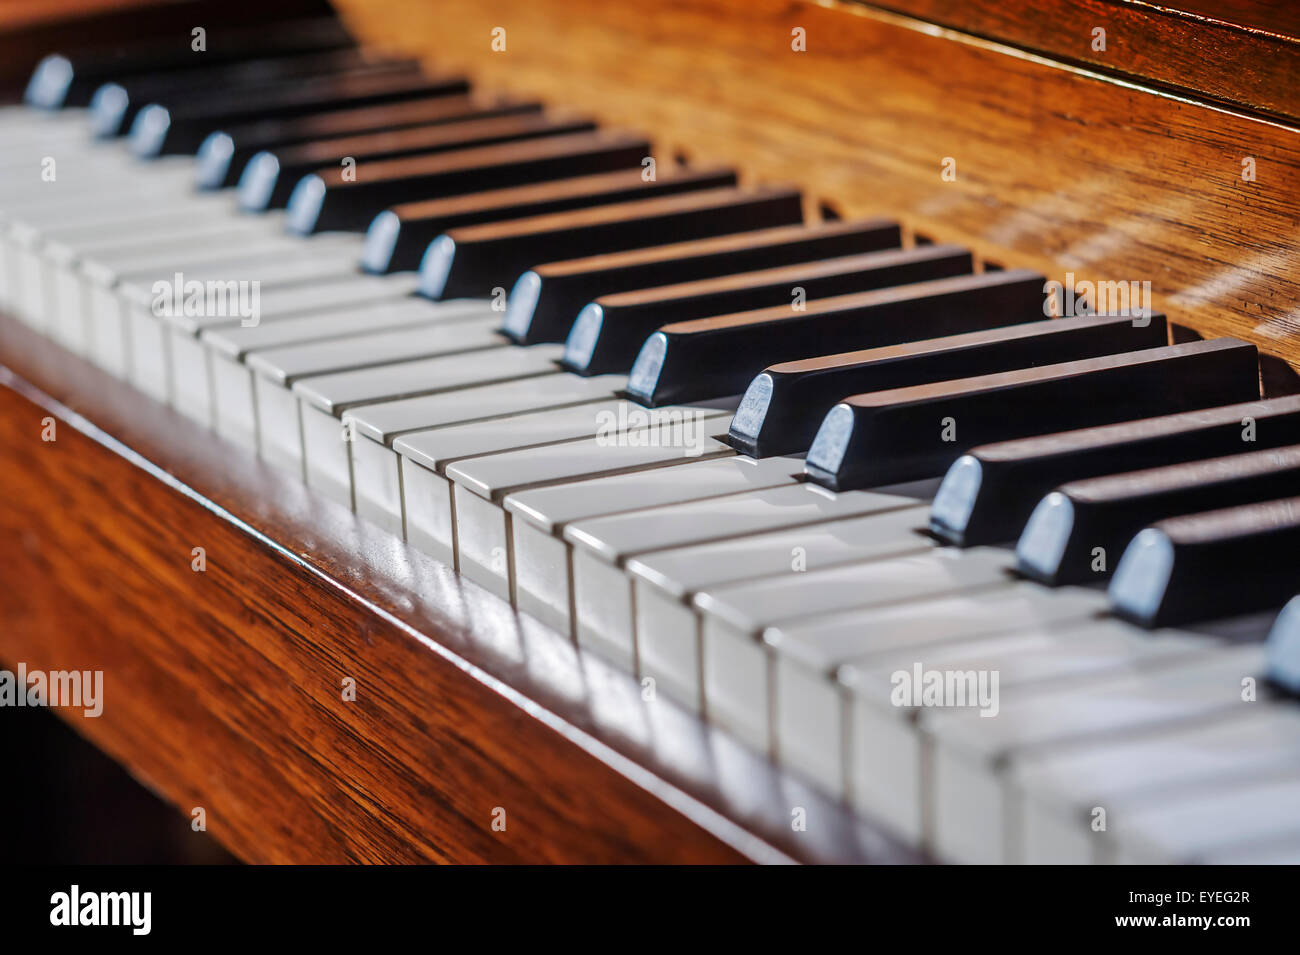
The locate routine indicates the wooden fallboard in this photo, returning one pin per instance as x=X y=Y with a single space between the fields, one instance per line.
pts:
x=1058 y=168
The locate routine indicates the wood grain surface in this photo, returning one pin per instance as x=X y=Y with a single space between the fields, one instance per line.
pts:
x=1057 y=169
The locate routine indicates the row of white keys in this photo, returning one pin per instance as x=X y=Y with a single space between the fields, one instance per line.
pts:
x=487 y=414
x=50 y=280
x=194 y=393
x=736 y=618
x=603 y=592
x=302 y=427
x=850 y=668
x=1133 y=799
x=228 y=347
x=665 y=582
x=972 y=801
x=123 y=293
x=476 y=487
x=37 y=214
x=542 y=565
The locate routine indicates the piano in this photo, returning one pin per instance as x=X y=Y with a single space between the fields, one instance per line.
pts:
x=739 y=431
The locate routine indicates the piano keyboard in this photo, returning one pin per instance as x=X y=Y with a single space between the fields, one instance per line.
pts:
x=798 y=474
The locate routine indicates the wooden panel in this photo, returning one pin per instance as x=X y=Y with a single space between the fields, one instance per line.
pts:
x=1242 y=54
x=1056 y=169
x=223 y=687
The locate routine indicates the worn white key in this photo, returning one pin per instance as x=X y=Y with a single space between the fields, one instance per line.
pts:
x=734 y=617
x=664 y=582
x=1025 y=634
x=967 y=754
x=479 y=486
x=542 y=556
x=1058 y=793
x=234 y=414
x=291 y=433
x=602 y=592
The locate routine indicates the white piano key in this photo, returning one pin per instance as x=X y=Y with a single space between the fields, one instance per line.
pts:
x=602 y=544
x=286 y=364
x=734 y=617
x=480 y=485
x=234 y=413
x=1216 y=823
x=109 y=320
x=967 y=754
x=388 y=420
x=333 y=394
x=149 y=329
x=1027 y=635
x=376 y=314
x=1056 y=793
x=195 y=391
x=664 y=582
x=543 y=583
x=376 y=468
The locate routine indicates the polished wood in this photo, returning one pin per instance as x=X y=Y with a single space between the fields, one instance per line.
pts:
x=29 y=29
x=1058 y=168
x=223 y=687
x=1243 y=54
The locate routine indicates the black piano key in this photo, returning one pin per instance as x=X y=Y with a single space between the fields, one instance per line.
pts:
x=161 y=130
x=1282 y=650
x=610 y=331
x=328 y=200
x=116 y=105
x=64 y=81
x=1077 y=531
x=271 y=176
x=909 y=433
x=224 y=153
x=989 y=493
x=118 y=34
x=1211 y=565
x=783 y=407
x=547 y=298
x=473 y=260
x=719 y=356
x=399 y=237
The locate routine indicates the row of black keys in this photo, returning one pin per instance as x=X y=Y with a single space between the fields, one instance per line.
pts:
x=477 y=190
